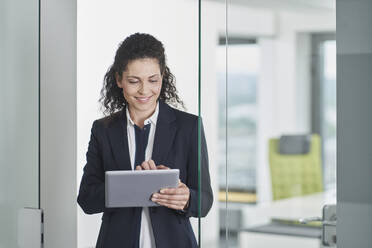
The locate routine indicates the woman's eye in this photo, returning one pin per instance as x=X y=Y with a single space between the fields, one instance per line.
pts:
x=153 y=81
x=133 y=82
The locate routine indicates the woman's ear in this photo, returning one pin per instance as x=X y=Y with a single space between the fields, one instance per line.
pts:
x=118 y=80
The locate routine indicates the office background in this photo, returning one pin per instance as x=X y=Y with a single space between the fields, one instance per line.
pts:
x=281 y=32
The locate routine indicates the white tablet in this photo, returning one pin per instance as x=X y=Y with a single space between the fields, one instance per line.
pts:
x=134 y=188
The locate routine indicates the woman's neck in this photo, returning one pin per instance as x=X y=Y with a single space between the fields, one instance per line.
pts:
x=139 y=117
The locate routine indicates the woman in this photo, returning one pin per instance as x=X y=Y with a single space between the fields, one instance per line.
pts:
x=141 y=131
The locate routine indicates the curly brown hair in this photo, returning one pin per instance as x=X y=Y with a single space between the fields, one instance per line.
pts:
x=137 y=46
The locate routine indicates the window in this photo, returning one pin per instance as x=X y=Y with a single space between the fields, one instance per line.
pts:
x=324 y=102
x=242 y=114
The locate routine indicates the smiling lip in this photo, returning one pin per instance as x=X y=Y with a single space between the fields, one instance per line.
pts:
x=143 y=99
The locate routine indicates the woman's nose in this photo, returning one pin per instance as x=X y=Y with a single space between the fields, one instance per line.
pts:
x=143 y=88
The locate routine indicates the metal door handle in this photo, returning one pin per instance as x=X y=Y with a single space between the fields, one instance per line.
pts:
x=311 y=219
x=329 y=222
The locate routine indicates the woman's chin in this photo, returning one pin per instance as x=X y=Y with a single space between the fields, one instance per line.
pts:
x=143 y=106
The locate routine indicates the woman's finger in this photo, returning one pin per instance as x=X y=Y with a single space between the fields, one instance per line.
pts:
x=170 y=202
x=170 y=197
x=162 y=167
x=174 y=191
x=145 y=165
x=181 y=204
x=152 y=165
x=138 y=167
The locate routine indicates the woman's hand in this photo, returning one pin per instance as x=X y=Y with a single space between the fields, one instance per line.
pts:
x=175 y=198
x=150 y=165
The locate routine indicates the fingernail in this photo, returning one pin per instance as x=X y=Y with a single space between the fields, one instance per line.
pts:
x=155 y=195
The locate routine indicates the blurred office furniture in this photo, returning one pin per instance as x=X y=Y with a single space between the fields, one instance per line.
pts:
x=238 y=197
x=297 y=188
x=230 y=219
x=295 y=165
x=277 y=224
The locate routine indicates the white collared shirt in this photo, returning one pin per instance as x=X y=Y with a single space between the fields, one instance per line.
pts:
x=147 y=239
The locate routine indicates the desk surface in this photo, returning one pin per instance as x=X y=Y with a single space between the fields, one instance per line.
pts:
x=288 y=209
x=288 y=230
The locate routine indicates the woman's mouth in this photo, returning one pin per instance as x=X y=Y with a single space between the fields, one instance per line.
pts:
x=143 y=99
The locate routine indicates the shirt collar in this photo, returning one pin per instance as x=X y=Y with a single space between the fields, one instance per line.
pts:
x=152 y=119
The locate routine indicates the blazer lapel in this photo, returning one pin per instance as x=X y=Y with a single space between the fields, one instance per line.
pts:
x=164 y=134
x=119 y=142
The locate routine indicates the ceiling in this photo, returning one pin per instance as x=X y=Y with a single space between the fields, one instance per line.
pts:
x=302 y=5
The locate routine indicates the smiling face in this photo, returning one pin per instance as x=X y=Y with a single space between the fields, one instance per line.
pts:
x=141 y=83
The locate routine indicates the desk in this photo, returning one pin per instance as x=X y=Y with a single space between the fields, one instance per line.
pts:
x=292 y=208
x=286 y=209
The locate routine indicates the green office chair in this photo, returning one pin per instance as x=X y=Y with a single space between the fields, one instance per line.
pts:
x=295 y=175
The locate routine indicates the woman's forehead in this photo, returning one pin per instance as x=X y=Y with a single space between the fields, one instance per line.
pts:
x=143 y=67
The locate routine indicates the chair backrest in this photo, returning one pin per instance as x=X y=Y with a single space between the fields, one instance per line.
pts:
x=295 y=175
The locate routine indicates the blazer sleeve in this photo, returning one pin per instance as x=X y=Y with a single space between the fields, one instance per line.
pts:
x=91 y=196
x=206 y=199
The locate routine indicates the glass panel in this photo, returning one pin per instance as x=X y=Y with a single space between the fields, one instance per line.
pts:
x=19 y=142
x=329 y=113
x=212 y=92
x=242 y=121
x=243 y=115
x=281 y=121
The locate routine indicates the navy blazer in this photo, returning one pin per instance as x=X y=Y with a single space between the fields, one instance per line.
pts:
x=175 y=146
